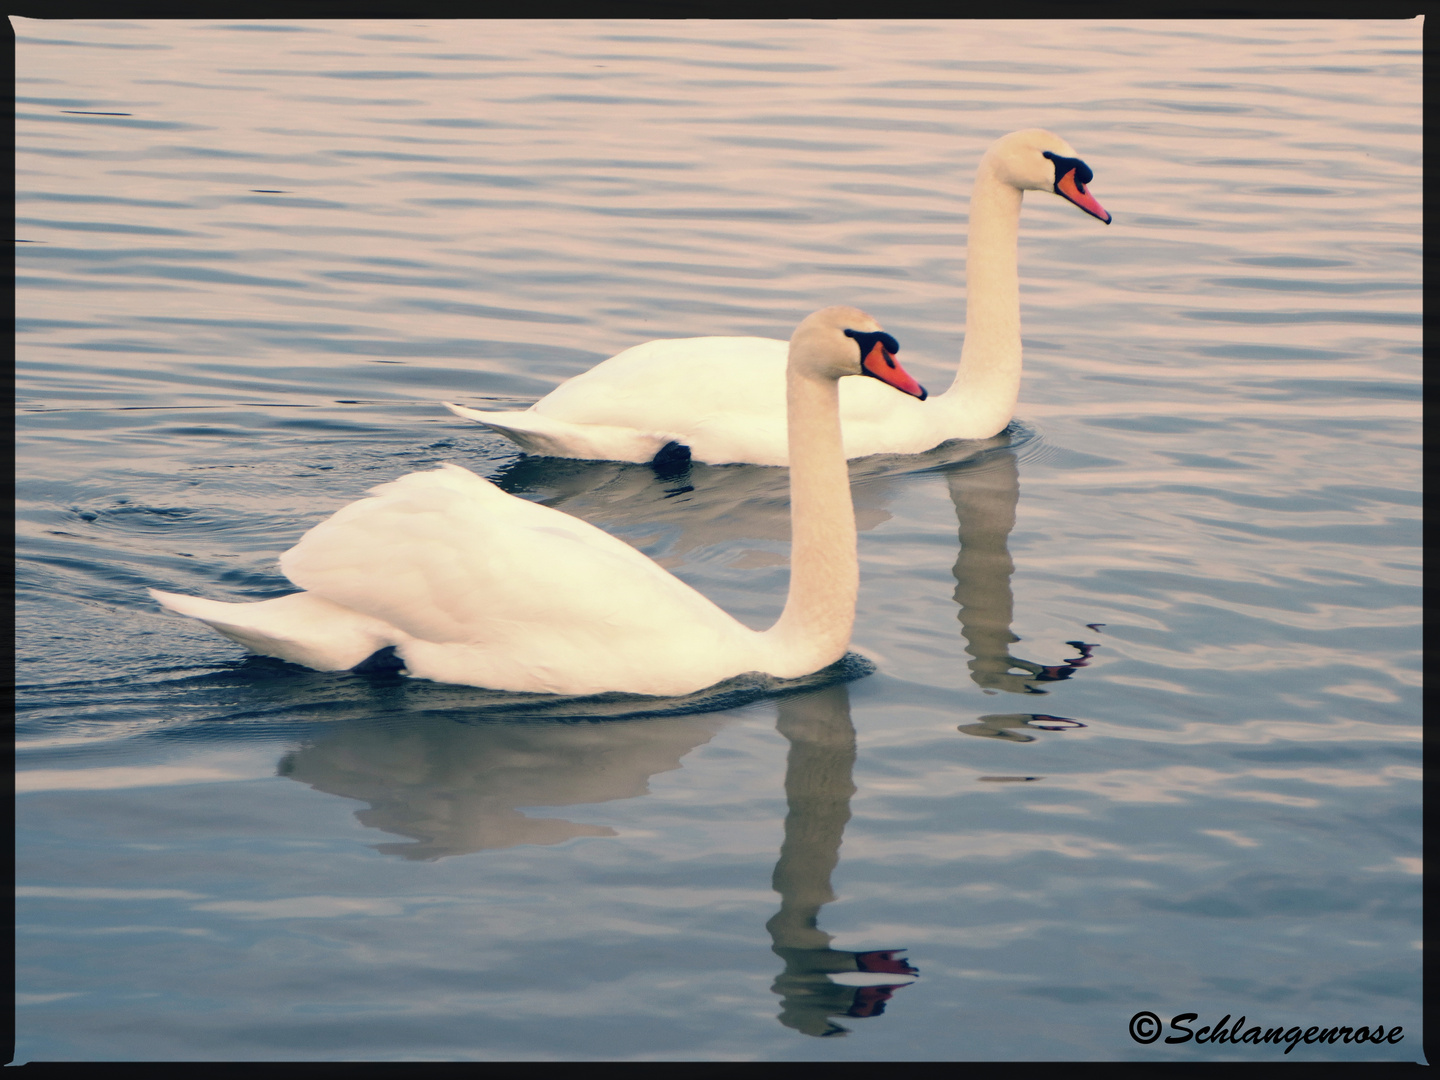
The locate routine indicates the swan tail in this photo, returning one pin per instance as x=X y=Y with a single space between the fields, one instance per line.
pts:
x=536 y=433
x=302 y=628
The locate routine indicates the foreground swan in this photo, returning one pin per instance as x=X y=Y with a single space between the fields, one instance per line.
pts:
x=474 y=586
x=723 y=397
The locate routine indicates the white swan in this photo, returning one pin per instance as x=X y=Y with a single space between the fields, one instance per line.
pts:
x=723 y=397
x=475 y=586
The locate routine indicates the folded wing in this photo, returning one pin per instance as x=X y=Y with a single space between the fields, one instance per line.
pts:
x=479 y=579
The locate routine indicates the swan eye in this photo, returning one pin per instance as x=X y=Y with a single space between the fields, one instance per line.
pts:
x=1063 y=165
x=868 y=341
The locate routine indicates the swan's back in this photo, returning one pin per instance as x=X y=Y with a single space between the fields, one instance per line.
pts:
x=497 y=591
x=699 y=375
x=723 y=397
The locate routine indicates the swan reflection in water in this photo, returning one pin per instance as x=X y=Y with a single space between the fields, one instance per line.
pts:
x=456 y=788
x=818 y=786
x=985 y=499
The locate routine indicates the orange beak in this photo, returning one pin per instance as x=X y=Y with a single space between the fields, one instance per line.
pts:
x=1069 y=187
x=883 y=366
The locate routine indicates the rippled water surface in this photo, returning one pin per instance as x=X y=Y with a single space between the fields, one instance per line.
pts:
x=1143 y=729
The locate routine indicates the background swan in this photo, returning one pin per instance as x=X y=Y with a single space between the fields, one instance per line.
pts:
x=724 y=397
x=472 y=585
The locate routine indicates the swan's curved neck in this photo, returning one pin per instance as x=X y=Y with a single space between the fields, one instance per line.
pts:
x=814 y=629
x=988 y=379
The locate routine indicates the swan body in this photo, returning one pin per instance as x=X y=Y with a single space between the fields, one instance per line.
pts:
x=724 y=399
x=472 y=585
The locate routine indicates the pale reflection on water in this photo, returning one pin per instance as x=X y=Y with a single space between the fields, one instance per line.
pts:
x=458 y=788
x=818 y=784
x=985 y=500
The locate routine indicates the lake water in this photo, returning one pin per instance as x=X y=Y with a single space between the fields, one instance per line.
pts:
x=255 y=257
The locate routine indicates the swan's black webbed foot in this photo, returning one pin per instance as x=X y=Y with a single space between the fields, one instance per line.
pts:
x=381 y=661
x=671 y=461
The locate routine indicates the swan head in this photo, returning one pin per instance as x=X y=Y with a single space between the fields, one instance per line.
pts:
x=1037 y=160
x=839 y=341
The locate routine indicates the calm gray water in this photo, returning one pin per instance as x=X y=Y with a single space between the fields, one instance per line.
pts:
x=1143 y=731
